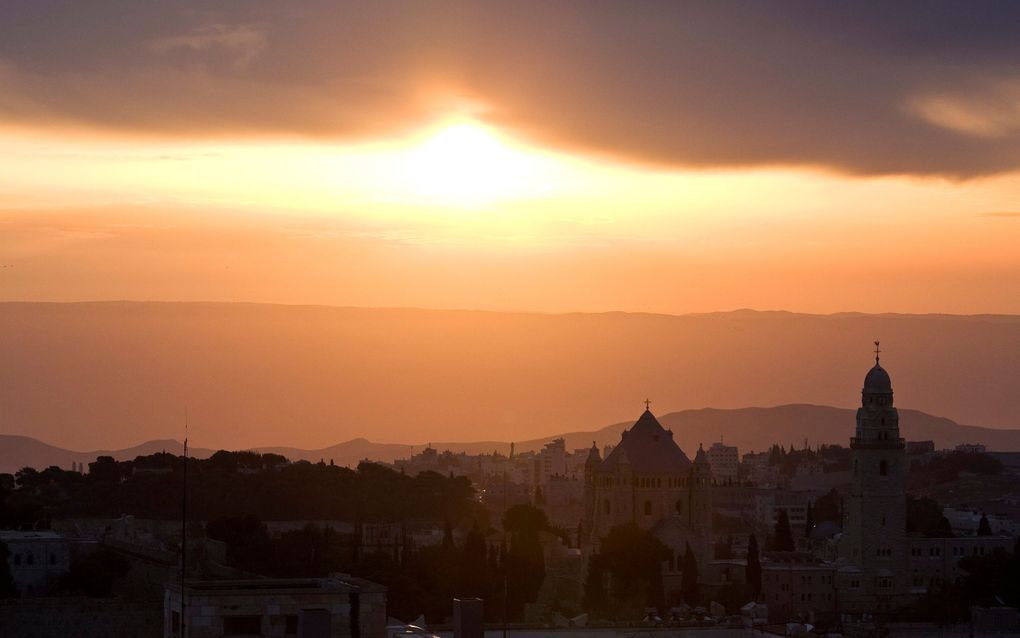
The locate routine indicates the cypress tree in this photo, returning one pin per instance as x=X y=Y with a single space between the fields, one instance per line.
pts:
x=689 y=579
x=473 y=575
x=753 y=574
x=783 y=534
x=447 y=537
x=984 y=529
x=809 y=523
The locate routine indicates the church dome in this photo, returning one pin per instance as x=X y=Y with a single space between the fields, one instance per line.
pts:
x=877 y=381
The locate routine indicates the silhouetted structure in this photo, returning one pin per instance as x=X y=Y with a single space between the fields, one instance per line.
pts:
x=648 y=480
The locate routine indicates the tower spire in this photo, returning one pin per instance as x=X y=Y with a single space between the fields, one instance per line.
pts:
x=877 y=351
x=648 y=402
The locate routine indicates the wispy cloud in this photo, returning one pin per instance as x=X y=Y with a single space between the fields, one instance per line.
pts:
x=242 y=42
x=1001 y=214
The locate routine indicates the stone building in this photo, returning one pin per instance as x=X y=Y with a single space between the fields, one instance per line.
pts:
x=37 y=559
x=874 y=539
x=878 y=567
x=648 y=480
x=335 y=607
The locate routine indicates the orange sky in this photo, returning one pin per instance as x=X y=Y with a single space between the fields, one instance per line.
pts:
x=677 y=160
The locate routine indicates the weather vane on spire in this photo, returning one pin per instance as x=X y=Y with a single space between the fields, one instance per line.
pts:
x=648 y=402
x=877 y=350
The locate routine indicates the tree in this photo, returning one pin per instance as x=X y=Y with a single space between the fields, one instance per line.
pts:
x=984 y=529
x=633 y=559
x=783 y=534
x=923 y=515
x=473 y=565
x=596 y=598
x=944 y=529
x=105 y=469
x=447 y=536
x=809 y=522
x=96 y=574
x=753 y=573
x=689 y=581
x=525 y=564
x=7 y=587
x=827 y=508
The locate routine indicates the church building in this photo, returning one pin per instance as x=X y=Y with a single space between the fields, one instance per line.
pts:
x=648 y=480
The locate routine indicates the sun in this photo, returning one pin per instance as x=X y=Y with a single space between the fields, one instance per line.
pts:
x=466 y=163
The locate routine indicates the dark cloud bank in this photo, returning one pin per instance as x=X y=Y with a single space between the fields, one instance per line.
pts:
x=906 y=87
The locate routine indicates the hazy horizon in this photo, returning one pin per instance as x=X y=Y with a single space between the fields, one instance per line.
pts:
x=106 y=375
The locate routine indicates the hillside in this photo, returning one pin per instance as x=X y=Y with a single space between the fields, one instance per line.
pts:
x=748 y=428
x=105 y=375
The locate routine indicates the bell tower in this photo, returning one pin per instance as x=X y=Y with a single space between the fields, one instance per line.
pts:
x=875 y=538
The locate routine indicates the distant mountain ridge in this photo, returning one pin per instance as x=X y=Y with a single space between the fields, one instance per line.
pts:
x=108 y=374
x=750 y=429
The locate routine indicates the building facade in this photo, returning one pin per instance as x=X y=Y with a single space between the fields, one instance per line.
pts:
x=648 y=480
x=335 y=607
x=37 y=560
x=877 y=566
x=725 y=462
x=874 y=539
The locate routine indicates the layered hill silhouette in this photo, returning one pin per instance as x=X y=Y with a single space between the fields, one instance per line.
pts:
x=750 y=429
x=106 y=375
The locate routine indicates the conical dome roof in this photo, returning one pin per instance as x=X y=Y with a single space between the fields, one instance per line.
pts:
x=648 y=447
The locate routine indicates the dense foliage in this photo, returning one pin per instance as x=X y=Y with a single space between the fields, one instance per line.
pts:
x=232 y=484
x=948 y=467
x=626 y=575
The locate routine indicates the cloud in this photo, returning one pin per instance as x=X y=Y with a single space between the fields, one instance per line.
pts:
x=243 y=42
x=990 y=112
x=925 y=88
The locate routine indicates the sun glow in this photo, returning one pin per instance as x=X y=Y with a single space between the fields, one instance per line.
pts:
x=468 y=164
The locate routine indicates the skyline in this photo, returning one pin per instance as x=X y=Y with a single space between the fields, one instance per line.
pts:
x=671 y=159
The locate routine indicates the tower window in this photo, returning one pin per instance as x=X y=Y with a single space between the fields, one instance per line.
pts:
x=883 y=467
x=648 y=508
x=679 y=507
x=605 y=505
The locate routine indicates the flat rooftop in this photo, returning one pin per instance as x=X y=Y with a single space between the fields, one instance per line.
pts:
x=331 y=584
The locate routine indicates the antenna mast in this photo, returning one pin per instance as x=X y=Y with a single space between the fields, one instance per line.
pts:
x=184 y=523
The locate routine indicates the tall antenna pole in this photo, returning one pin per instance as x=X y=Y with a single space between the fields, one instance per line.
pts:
x=184 y=523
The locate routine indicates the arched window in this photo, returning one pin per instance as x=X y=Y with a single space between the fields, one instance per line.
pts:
x=648 y=508
x=605 y=505
x=679 y=506
x=883 y=467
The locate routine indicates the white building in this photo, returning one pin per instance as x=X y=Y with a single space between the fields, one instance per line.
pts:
x=314 y=607
x=724 y=461
x=37 y=559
